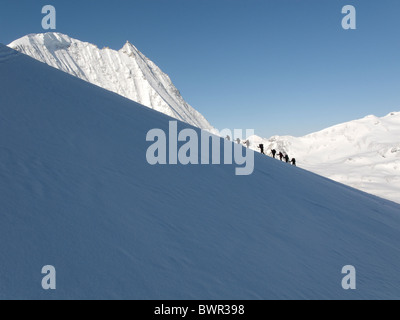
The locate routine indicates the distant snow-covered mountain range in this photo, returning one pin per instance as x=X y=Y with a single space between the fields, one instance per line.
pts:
x=127 y=72
x=364 y=154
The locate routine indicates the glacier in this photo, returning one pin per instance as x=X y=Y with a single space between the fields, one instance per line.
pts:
x=76 y=192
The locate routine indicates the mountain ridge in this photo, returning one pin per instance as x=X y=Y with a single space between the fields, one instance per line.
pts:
x=127 y=72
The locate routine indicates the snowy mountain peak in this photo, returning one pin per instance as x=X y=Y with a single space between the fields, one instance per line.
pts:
x=126 y=72
x=132 y=51
x=129 y=47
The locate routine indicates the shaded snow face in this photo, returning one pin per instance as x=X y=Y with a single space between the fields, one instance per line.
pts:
x=77 y=193
x=196 y=149
x=126 y=72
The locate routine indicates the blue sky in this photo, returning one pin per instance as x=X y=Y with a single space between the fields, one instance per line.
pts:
x=278 y=66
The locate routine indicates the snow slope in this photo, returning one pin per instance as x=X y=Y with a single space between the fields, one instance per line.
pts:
x=364 y=154
x=76 y=192
x=126 y=72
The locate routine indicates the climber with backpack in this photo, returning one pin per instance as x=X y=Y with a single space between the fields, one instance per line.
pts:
x=287 y=159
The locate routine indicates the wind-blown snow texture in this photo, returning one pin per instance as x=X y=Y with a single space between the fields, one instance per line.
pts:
x=364 y=154
x=126 y=72
x=77 y=193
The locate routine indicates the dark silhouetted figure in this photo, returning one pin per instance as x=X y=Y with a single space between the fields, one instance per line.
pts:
x=287 y=159
x=238 y=141
x=261 y=147
x=247 y=143
x=293 y=161
x=280 y=155
x=273 y=151
x=228 y=138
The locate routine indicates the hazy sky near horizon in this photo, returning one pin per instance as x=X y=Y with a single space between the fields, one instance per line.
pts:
x=276 y=66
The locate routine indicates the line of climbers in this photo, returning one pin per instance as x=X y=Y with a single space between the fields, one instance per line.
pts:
x=280 y=155
x=261 y=147
x=246 y=143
